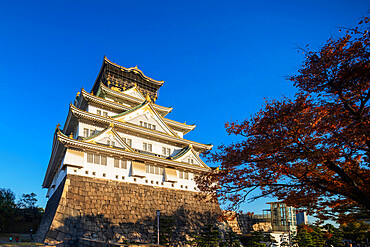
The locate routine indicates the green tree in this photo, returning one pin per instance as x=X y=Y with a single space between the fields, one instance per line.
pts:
x=166 y=229
x=7 y=209
x=333 y=236
x=209 y=236
x=257 y=238
x=230 y=239
x=357 y=232
x=28 y=201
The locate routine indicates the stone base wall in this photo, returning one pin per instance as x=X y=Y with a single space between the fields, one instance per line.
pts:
x=118 y=212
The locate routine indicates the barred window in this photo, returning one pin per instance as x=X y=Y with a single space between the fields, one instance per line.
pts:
x=124 y=164
x=90 y=158
x=98 y=112
x=116 y=162
x=86 y=132
x=104 y=160
x=96 y=159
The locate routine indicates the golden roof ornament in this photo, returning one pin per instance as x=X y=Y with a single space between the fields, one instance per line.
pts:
x=148 y=98
x=57 y=127
x=111 y=125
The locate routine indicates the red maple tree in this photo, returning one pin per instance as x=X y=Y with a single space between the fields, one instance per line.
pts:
x=313 y=151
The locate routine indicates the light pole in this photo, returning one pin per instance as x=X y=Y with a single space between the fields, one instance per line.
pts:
x=158 y=213
x=290 y=243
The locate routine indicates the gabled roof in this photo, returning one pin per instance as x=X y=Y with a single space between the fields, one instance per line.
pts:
x=186 y=151
x=183 y=127
x=106 y=132
x=134 y=92
x=121 y=94
x=75 y=113
x=148 y=107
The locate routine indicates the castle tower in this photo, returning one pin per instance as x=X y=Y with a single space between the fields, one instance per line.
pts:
x=117 y=160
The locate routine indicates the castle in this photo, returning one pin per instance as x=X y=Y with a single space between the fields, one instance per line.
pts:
x=117 y=160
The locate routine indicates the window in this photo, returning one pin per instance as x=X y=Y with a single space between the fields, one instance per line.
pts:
x=105 y=114
x=111 y=143
x=183 y=175
x=166 y=151
x=96 y=159
x=124 y=164
x=116 y=176
x=86 y=132
x=86 y=172
x=154 y=169
x=98 y=112
x=104 y=160
x=128 y=141
x=116 y=162
x=147 y=125
x=90 y=158
x=104 y=174
x=147 y=147
x=94 y=173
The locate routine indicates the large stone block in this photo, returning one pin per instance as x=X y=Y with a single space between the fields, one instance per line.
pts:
x=111 y=211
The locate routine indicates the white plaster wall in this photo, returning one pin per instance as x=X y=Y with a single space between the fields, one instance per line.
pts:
x=137 y=143
x=180 y=134
x=93 y=109
x=119 y=174
x=58 y=178
x=82 y=125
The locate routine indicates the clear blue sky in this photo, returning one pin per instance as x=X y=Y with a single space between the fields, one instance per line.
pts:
x=219 y=60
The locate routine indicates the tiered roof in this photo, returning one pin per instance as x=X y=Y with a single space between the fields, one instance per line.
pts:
x=130 y=102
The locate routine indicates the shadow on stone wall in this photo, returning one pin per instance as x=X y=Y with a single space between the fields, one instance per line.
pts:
x=100 y=228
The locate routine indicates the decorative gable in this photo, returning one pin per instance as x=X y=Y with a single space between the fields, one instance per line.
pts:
x=134 y=92
x=145 y=116
x=109 y=137
x=188 y=155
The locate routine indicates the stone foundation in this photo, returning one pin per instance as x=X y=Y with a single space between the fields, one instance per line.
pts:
x=118 y=212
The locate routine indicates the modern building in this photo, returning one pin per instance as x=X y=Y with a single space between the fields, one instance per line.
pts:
x=302 y=218
x=279 y=221
x=119 y=157
x=283 y=217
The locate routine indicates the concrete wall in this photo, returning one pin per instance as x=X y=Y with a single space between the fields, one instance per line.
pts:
x=111 y=211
